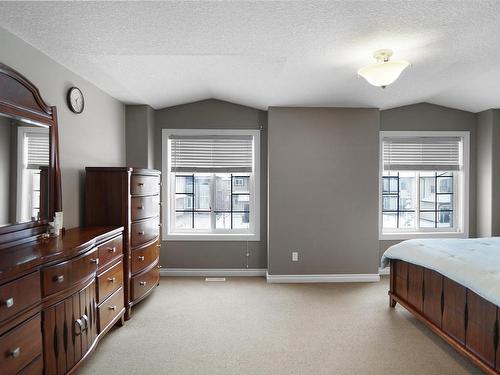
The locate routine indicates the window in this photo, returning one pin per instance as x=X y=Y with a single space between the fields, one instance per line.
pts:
x=212 y=184
x=424 y=184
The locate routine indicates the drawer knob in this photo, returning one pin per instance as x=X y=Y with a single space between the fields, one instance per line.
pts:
x=94 y=261
x=111 y=279
x=78 y=327
x=140 y=233
x=112 y=308
x=140 y=184
x=85 y=322
x=59 y=279
x=158 y=245
x=142 y=283
x=140 y=208
x=140 y=257
x=112 y=249
x=9 y=302
x=15 y=353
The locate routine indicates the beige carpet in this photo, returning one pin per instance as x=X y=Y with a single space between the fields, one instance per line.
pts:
x=246 y=326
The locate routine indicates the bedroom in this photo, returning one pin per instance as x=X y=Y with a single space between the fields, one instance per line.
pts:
x=285 y=176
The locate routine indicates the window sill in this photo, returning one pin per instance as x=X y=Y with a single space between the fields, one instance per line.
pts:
x=211 y=237
x=413 y=235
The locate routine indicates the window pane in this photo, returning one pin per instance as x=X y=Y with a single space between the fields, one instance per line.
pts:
x=427 y=196
x=223 y=220
x=427 y=219
x=390 y=203
x=201 y=220
x=407 y=220
x=183 y=220
x=202 y=192
x=223 y=192
x=183 y=184
x=407 y=191
x=445 y=184
x=183 y=202
x=241 y=202
x=389 y=220
x=241 y=184
x=241 y=220
x=445 y=219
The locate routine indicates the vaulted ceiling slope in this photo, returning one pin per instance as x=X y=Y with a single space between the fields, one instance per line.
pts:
x=271 y=53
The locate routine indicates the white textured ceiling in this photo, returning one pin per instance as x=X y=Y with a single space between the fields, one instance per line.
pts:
x=271 y=53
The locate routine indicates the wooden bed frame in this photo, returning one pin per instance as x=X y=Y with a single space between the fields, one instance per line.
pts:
x=466 y=321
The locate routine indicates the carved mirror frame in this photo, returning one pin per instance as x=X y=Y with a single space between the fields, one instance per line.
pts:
x=21 y=100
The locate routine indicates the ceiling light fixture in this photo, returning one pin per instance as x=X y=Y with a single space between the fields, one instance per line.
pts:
x=383 y=72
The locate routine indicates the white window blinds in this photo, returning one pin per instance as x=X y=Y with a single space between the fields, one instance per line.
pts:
x=422 y=153
x=211 y=153
x=38 y=153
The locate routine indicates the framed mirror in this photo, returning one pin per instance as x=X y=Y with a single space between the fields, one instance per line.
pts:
x=30 y=185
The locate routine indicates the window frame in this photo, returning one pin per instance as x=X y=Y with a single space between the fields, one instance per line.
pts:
x=460 y=191
x=168 y=190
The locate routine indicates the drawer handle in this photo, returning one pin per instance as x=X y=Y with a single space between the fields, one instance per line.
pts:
x=95 y=261
x=142 y=283
x=59 y=279
x=112 y=307
x=140 y=233
x=9 y=302
x=140 y=208
x=78 y=327
x=140 y=257
x=112 y=249
x=158 y=245
x=111 y=279
x=15 y=353
x=140 y=183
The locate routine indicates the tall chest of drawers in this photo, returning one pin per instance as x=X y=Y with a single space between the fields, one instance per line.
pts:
x=129 y=197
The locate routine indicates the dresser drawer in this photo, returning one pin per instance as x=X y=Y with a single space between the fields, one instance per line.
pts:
x=144 y=185
x=63 y=275
x=144 y=231
x=20 y=346
x=109 y=281
x=34 y=368
x=19 y=294
x=109 y=250
x=142 y=258
x=144 y=207
x=110 y=309
x=143 y=283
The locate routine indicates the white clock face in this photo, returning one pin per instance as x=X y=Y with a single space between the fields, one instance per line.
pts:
x=76 y=100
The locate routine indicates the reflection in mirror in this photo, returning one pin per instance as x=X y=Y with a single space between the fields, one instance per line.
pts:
x=24 y=171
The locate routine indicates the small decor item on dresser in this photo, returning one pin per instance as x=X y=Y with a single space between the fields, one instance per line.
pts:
x=75 y=100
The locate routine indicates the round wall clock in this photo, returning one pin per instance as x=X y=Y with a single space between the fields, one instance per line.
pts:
x=75 y=100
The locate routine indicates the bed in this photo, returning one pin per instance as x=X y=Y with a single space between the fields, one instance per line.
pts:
x=452 y=286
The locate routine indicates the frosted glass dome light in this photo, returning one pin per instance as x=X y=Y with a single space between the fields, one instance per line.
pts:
x=383 y=72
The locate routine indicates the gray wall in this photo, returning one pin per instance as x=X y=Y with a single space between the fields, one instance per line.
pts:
x=323 y=190
x=428 y=117
x=139 y=126
x=5 y=156
x=94 y=138
x=488 y=173
x=215 y=114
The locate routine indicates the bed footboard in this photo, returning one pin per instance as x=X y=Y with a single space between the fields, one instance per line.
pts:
x=466 y=321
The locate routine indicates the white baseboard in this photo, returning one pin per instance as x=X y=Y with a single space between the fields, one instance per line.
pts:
x=384 y=271
x=213 y=272
x=334 y=278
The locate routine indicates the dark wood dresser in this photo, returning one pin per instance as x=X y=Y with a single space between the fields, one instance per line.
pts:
x=58 y=297
x=129 y=197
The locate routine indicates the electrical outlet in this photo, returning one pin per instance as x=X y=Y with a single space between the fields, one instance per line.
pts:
x=295 y=256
